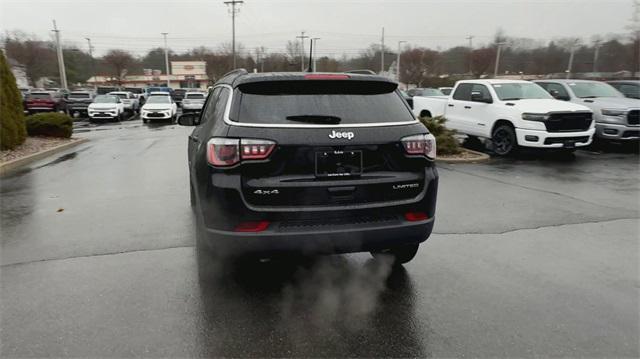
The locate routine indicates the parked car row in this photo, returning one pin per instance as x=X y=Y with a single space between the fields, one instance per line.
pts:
x=114 y=104
x=553 y=114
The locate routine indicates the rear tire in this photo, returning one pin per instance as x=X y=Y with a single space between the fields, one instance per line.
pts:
x=504 y=140
x=400 y=254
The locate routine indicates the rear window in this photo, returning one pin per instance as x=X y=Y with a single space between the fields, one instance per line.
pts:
x=79 y=95
x=320 y=102
x=40 y=96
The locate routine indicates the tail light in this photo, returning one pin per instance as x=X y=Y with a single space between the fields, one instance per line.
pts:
x=415 y=216
x=224 y=152
x=258 y=226
x=420 y=145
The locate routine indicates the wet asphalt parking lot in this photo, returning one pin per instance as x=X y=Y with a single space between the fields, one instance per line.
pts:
x=529 y=257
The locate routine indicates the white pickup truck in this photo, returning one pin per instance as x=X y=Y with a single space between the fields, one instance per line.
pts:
x=512 y=114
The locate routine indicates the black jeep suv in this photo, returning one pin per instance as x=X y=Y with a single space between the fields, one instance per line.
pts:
x=310 y=163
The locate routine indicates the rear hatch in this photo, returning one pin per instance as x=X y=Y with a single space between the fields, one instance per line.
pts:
x=79 y=100
x=40 y=100
x=338 y=144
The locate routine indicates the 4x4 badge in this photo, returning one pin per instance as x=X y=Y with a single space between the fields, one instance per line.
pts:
x=347 y=135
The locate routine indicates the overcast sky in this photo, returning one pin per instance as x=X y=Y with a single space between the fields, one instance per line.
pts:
x=343 y=26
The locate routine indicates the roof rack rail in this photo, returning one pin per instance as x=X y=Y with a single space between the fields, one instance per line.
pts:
x=363 y=72
x=240 y=71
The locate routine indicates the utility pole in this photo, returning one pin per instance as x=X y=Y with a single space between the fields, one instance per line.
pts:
x=398 y=62
x=635 y=33
x=63 y=74
x=233 y=11
x=596 y=53
x=166 y=58
x=315 y=50
x=302 y=37
x=495 y=69
x=574 y=45
x=93 y=62
x=257 y=59
x=470 y=38
x=382 y=52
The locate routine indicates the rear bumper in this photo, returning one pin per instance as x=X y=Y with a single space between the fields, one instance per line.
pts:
x=341 y=229
x=326 y=239
x=106 y=116
x=78 y=108
x=164 y=116
x=189 y=107
x=544 y=139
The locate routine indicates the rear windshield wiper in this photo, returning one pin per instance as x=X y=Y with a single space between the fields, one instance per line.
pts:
x=322 y=119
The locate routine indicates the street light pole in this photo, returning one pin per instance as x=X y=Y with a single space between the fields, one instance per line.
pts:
x=234 y=11
x=398 y=62
x=382 y=52
x=495 y=69
x=596 y=47
x=571 y=55
x=166 y=58
x=93 y=63
x=315 y=50
x=470 y=38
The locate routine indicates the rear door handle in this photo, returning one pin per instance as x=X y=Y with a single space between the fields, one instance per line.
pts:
x=450 y=105
x=467 y=107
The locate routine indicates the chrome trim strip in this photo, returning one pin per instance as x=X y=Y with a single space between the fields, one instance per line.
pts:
x=229 y=122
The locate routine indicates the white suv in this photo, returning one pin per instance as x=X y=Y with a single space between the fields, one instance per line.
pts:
x=159 y=106
x=106 y=107
x=193 y=102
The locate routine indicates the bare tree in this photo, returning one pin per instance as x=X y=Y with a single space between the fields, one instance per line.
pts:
x=481 y=60
x=119 y=61
x=38 y=57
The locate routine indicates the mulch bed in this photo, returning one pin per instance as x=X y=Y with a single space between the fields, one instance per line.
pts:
x=464 y=156
x=32 y=145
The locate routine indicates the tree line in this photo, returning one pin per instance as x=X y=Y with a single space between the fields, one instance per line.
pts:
x=419 y=65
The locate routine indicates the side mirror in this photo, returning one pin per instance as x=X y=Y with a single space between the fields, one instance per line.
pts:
x=476 y=96
x=189 y=119
x=557 y=96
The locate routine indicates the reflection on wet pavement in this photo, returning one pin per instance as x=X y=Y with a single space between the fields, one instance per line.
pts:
x=329 y=306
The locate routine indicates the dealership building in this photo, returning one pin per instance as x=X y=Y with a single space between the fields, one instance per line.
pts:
x=184 y=74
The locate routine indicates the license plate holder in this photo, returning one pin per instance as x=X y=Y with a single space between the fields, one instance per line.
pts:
x=570 y=144
x=338 y=163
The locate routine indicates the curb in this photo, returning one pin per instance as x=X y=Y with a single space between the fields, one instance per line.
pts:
x=23 y=161
x=480 y=158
